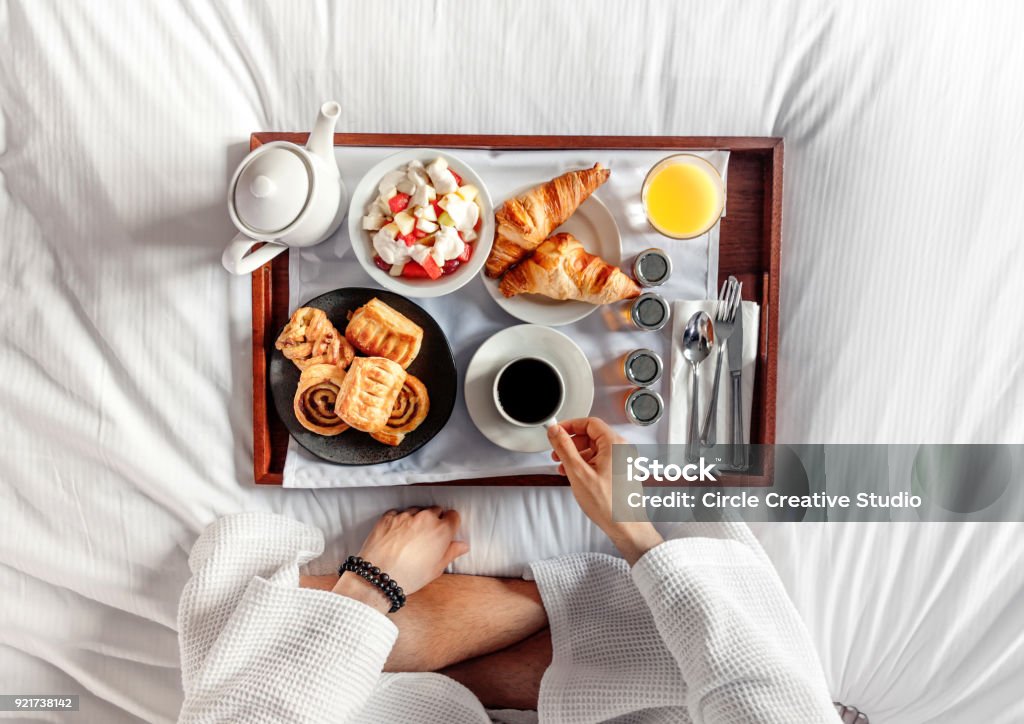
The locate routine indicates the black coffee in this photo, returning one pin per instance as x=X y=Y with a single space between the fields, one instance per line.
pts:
x=529 y=391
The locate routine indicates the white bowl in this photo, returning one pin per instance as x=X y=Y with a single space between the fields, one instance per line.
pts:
x=366 y=192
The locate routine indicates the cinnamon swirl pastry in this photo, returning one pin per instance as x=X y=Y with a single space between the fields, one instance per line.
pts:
x=309 y=339
x=315 y=398
x=409 y=412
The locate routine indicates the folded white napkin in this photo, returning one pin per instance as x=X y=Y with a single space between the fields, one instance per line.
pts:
x=682 y=377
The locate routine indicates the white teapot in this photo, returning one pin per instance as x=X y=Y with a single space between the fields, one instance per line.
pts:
x=284 y=195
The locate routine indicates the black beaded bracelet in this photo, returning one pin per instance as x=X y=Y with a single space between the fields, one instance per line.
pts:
x=375 y=577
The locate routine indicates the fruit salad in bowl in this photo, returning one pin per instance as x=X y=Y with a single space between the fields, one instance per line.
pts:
x=422 y=223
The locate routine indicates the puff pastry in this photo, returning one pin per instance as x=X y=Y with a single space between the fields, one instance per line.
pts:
x=315 y=398
x=562 y=269
x=309 y=339
x=368 y=393
x=378 y=330
x=409 y=412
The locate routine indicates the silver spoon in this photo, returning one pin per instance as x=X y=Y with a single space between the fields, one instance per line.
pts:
x=698 y=341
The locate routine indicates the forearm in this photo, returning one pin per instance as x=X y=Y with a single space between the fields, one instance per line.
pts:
x=458 y=617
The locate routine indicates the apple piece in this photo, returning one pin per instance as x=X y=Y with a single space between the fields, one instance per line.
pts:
x=391 y=229
x=468 y=236
x=388 y=193
x=445 y=220
x=469 y=192
x=427 y=212
x=405 y=222
x=405 y=186
x=425 y=225
x=431 y=193
x=373 y=222
x=396 y=269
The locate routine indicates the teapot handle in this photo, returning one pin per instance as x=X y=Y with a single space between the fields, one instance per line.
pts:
x=241 y=258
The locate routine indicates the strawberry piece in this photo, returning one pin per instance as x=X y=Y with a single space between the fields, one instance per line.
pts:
x=381 y=264
x=412 y=270
x=458 y=179
x=450 y=266
x=409 y=238
x=437 y=209
x=466 y=253
x=398 y=202
x=419 y=233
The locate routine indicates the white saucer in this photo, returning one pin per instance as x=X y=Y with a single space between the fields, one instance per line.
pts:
x=595 y=227
x=508 y=344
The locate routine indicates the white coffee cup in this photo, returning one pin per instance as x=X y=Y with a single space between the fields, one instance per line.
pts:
x=546 y=415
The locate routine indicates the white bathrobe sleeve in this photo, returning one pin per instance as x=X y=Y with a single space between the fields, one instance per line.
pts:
x=725 y=617
x=257 y=648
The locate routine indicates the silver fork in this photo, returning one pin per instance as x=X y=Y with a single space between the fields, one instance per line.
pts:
x=725 y=318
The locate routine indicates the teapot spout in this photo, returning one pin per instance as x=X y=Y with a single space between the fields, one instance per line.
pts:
x=321 y=138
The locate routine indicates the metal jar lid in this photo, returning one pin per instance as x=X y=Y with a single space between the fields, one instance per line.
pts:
x=652 y=267
x=650 y=311
x=642 y=367
x=644 y=406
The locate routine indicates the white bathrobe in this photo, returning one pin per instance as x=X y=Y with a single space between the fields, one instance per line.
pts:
x=700 y=630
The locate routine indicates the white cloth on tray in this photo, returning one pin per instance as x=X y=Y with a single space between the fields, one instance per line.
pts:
x=469 y=316
x=682 y=377
x=700 y=630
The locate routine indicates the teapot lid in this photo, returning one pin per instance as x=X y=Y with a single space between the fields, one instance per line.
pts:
x=272 y=190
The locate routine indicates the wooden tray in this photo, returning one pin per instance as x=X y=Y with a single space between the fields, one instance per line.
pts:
x=749 y=245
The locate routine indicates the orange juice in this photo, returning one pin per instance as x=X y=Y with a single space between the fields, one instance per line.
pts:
x=683 y=196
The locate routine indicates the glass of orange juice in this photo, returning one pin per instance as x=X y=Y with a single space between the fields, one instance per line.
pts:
x=683 y=196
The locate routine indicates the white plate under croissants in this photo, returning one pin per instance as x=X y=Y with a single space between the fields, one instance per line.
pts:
x=426 y=364
x=594 y=226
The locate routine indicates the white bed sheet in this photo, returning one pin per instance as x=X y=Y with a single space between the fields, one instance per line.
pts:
x=125 y=392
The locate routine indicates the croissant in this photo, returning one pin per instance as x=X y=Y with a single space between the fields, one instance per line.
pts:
x=562 y=269
x=526 y=221
x=315 y=398
x=409 y=412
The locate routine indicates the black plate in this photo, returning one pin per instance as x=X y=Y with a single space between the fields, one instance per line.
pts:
x=434 y=365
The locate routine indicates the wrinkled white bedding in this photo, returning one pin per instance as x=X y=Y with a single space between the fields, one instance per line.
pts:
x=125 y=347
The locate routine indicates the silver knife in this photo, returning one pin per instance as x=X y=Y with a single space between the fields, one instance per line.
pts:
x=734 y=349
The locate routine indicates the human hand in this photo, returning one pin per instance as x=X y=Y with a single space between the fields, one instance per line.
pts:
x=413 y=546
x=583 y=449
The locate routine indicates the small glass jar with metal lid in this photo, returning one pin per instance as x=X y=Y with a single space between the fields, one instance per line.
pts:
x=652 y=267
x=644 y=406
x=649 y=311
x=642 y=367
